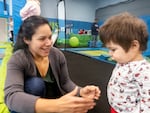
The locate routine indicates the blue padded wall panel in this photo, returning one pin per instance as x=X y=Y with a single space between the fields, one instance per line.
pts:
x=17 y=5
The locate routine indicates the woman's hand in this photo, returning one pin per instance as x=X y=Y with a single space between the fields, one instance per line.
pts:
x=91 y=92
x=70 y=103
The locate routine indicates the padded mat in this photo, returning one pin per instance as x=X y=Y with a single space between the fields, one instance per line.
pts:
x=94 y=52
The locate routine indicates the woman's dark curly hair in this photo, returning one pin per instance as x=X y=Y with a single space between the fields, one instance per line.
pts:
x=27 y=30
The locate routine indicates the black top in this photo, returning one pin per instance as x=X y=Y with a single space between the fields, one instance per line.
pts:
x=52 y=90
x=94 y=28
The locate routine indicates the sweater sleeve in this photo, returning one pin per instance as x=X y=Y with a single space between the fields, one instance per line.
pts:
x=15 y=97
x=60 y=70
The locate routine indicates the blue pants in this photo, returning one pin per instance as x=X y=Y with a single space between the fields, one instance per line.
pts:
x=94 y=40
x=34 y=86
x=13 y=112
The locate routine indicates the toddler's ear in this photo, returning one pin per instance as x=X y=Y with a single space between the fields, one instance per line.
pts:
x=135 y=43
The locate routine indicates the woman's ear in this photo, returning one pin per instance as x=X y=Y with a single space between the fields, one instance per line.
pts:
x=26 y=41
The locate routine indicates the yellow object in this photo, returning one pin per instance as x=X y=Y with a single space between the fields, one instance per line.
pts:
x=74 y=42
x=94 y=53
x=8 y=52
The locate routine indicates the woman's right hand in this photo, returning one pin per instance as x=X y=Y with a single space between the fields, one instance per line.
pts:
x=70 y=103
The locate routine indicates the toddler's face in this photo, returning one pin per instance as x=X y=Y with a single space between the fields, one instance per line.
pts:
x=118 y=54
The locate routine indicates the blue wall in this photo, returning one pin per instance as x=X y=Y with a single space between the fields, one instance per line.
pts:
x=17 y=5
x=2 y=10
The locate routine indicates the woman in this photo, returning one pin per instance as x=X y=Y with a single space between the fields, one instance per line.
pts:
x=37 y=75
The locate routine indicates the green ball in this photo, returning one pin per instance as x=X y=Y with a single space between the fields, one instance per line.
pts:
x=74 y=42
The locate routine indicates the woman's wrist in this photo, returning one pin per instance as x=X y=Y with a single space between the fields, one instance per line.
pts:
x=47 y=105
x=80 y=92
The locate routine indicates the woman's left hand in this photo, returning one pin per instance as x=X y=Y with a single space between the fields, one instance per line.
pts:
x=90 y=91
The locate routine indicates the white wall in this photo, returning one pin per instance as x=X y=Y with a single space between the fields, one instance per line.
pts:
x=49 y=8
x=103 y=3
x=81 y=10
x=3 y=29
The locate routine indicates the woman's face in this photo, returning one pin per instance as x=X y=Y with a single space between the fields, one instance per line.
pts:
x=41 y=41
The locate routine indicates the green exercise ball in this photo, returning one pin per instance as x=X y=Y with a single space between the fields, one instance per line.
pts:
x=74 y=42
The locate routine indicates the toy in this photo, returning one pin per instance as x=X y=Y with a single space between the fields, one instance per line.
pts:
x=74 y=42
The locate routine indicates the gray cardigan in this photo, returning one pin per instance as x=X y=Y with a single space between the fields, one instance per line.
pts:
x=21 y=64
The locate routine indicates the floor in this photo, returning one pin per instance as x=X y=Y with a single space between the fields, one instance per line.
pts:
x=86 y=70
